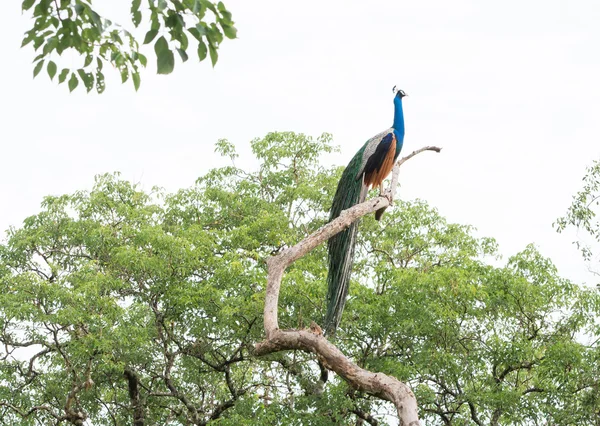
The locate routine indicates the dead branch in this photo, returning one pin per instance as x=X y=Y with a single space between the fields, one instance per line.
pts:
x=312 y=340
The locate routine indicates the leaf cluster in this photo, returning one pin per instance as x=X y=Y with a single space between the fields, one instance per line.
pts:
x=74 y=26
x=582 y=213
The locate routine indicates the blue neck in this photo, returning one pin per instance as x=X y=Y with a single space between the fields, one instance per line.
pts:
x=398 y=117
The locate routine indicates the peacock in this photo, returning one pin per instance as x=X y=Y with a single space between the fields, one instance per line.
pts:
x=367 y=169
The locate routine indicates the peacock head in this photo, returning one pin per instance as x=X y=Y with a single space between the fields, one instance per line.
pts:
x=399 y=93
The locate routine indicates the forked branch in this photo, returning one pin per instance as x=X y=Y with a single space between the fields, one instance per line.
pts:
x=312 y=340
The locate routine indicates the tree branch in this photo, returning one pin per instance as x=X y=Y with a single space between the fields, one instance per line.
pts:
x=25 y=414
x=133 y=382
x=474 y=415
x=377 y=384
x=367 y=417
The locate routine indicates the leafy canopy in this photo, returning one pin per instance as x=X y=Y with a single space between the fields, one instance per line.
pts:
x=74 y=26
x=582 y=214
x=125 y=306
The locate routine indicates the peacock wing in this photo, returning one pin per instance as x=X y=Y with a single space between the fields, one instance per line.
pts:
x=374 y=151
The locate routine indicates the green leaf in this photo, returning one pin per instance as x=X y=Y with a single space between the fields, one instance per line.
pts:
x=64 y=43
x=202 y=51
x=230 y=32
x=136 y=15
x=26 y=5
x=87 y=78
x=200 y=9
x=183 y=54
x=210 y=6
x=51 y=69
x=154 y=23
x=51 y=44
x=196 y=7
x=143 y=59
x=96 y=20
x=114 y=35
x=183 y=39
x=194 y=32
x=150 y=36
x=37 y=68
x=214 y=56
x=27 y=39
x=172 y=21
x=63 y=75
x=88 y=60
x=201 y=28
x=214 y=34
x=100 y=86
x=136 y=80
x=89 y=35
x=38 y=41
x=164 y=56
x=226 y=15
x=73 y=82
x=136 y=18
x=226 y=18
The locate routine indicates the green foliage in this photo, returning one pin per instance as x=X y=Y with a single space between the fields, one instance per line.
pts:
x=479 y=344
x=583 y=210
x=74 y=26
x=120 y=305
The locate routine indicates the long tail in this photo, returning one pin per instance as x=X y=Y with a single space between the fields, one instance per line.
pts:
x=350 y=191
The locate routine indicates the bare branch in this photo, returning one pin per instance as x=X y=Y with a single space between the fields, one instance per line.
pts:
x=377 y=384
x=32 y=410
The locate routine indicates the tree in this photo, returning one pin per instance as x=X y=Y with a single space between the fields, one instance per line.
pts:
x=121 y=306
x=74 y=26
x=479 y=344
x=582 y=214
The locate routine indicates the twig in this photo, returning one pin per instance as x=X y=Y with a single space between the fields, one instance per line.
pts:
x=312 y=340
x=57 y=10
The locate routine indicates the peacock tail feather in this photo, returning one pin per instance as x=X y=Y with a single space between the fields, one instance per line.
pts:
x=350 y=191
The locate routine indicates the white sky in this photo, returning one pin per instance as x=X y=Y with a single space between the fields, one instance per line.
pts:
x=509 y=89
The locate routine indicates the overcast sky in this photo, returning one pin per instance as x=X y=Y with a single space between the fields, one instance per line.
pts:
x=509 y=89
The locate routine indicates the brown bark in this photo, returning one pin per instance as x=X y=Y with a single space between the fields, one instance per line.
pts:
x=133 y=384
x=312 y=340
